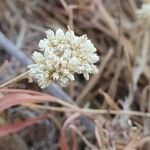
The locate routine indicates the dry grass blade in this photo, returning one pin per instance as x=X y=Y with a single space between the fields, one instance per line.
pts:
x=15 y=98
x=91 y=146
x=63 y=138
x=145 y=98
x=107 y=18
x=22 y=34
x=13 y=128
x=109 y=100
x=138 y=142
x=141 y=60
x=74 y=139
x=114 y=82
x=87 y=111
x=99 y=134
x=63 y=141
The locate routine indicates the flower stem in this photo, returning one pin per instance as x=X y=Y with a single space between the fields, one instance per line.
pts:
x=15 y=80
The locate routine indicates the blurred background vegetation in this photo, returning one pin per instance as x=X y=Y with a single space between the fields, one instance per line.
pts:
x=122 y=40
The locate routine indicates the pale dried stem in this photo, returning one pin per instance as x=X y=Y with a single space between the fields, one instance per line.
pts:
x=15 y=80
x=111 y=103
x=88 y=111
x=99 y=134
x=83 y=137
x=69 y=10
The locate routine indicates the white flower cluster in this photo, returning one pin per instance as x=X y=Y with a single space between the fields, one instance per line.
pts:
x=144 y=14
x=62 y=55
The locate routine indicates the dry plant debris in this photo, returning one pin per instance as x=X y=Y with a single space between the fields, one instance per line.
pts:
x=110 y=111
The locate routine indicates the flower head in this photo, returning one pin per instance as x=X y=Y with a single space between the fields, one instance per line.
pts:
x=144 y=13
x=62 y=55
